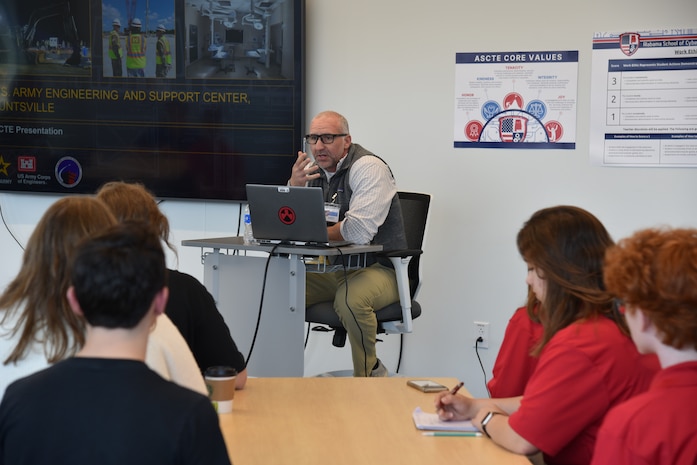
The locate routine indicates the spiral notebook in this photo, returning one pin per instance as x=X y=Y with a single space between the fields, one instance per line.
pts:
x=431 y=422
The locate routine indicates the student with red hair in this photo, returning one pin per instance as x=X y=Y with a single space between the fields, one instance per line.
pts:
x=654 y=273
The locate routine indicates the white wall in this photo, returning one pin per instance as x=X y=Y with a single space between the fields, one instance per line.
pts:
x=388 y=66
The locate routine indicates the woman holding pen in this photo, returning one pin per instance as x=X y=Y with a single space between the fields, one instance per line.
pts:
x=587 y=361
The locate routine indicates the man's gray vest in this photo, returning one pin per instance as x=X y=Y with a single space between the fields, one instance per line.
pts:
x=391 y=233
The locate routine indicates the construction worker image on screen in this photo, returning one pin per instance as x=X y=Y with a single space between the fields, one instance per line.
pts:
x=163 y=54
x=115 y=51
x=135 y=50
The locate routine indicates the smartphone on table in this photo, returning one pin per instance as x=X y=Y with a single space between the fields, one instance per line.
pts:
x=426 y=385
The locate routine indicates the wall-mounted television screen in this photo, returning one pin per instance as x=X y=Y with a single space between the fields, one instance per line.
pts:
x=234 y=36
x=150 y=91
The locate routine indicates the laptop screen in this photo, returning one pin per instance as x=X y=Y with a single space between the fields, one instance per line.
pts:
x=287 y=213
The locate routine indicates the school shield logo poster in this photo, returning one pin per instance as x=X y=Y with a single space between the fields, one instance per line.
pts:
x=629 y=43
x=513 y=128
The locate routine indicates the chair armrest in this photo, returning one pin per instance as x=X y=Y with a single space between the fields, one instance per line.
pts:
x=400 y=261
x=401 y=253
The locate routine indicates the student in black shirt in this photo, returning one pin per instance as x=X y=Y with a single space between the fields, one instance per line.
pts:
x=105 y=405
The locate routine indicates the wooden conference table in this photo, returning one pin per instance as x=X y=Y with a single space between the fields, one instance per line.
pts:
x=344 y=421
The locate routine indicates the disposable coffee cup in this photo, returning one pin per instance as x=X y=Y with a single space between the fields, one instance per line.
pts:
x=220 y=382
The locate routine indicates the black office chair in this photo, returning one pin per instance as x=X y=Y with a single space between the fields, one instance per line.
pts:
x=395 y=318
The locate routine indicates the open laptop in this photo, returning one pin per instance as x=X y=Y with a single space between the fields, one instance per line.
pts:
x=289 y=214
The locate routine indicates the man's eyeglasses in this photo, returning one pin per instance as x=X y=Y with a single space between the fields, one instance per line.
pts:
x=326 y=138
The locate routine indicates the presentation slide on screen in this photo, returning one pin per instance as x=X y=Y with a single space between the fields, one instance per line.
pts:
x=194 y=98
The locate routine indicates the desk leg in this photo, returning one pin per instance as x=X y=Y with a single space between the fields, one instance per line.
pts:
x=295 y=273
x=214 y=286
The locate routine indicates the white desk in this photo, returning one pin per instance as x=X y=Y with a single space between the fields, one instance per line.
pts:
x=236 y=281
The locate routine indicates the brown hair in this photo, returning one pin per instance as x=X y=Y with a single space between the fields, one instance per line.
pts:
x=133 y=202
x=655 y=270
x=567 y=245
x=532 y=306
x=38 y=291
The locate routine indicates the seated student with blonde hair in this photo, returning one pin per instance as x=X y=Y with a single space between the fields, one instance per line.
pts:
x=654 y=273
x=105 y=405
x=190 y=307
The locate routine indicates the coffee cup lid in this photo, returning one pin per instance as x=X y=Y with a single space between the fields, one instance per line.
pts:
x=220 y=372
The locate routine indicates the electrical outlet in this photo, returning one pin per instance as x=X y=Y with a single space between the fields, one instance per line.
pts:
x=481 y=329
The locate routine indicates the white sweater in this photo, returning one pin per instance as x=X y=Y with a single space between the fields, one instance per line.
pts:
x=167 y=354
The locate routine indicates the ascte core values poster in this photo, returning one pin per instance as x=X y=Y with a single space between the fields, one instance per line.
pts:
x=521 y=100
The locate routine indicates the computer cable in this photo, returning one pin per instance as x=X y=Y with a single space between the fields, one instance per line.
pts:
x=2 y=216
x=239 y=228
x=261 y=302
x=476 y=350
x=239 y=220
x=346 y=291
x=355 y=319
x=307 y=335
x=401 y=348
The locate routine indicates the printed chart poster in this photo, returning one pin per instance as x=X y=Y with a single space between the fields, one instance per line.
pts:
x=644 y=98
x=518 y=100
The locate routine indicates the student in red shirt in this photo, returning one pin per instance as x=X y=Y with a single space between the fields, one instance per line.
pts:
x=654 y=272
x=514 y=363
x=587 y=361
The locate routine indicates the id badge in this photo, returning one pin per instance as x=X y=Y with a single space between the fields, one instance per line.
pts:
x=331 y=212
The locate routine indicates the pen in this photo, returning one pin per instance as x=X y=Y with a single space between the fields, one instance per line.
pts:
x=452 y=392
x=465 y=434
x=457 y=387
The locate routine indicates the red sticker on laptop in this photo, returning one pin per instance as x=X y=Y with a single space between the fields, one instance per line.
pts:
x=286 y=215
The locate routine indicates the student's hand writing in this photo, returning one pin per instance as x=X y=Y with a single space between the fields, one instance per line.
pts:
x=454 y=407
x=302 y=172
